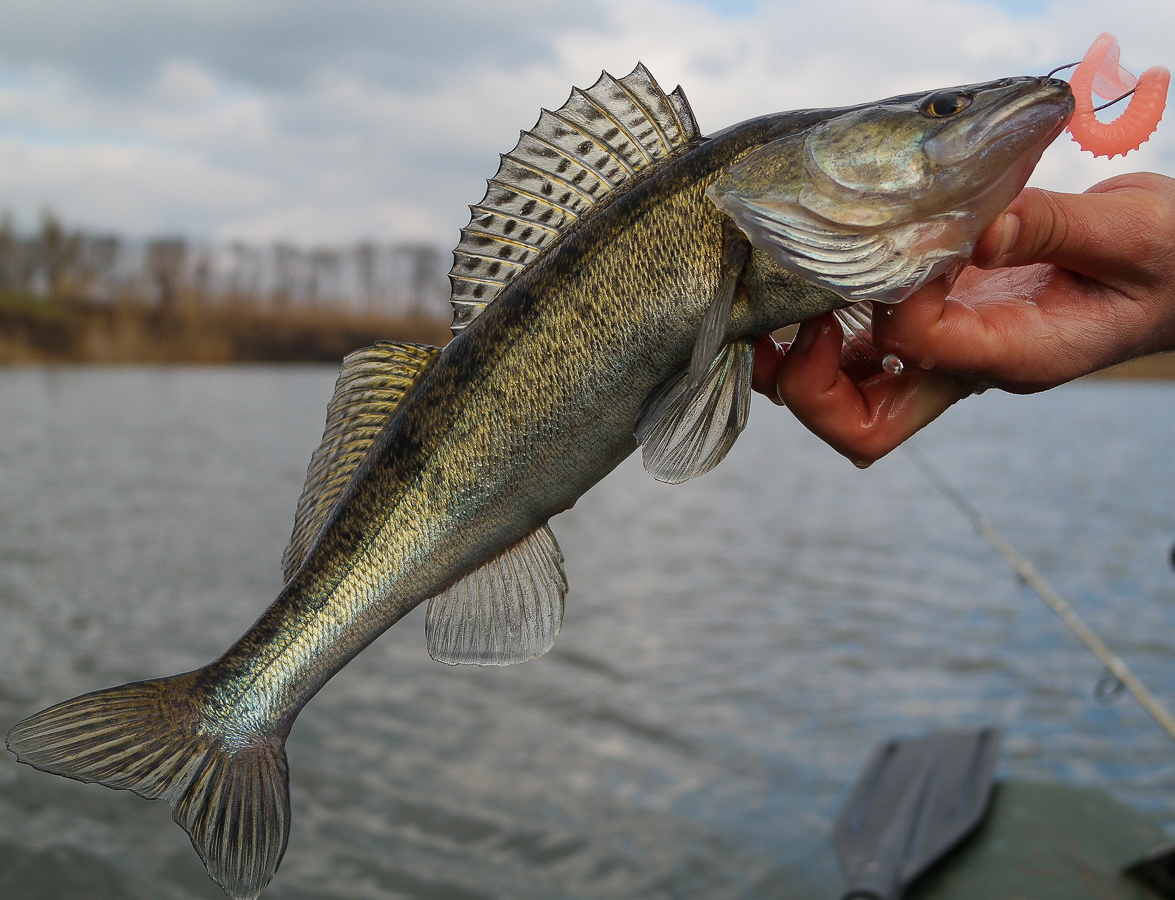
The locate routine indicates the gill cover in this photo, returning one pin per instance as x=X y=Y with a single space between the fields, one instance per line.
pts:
x=876 y=201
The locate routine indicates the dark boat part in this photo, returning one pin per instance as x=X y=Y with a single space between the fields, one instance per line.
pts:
x=916 y=799
x=1156 y=870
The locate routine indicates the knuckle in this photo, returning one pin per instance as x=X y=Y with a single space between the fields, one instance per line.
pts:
x=1050 y=228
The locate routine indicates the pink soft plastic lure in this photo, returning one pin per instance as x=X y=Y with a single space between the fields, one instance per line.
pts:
x=1099 y=73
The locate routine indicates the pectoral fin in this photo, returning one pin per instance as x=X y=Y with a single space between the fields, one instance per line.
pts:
x=505 y=612
x=736 y=252
x=858 y=355
x=685 y=432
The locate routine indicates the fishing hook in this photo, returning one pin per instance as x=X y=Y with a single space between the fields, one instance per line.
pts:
x=1112 y=102
x=1096 y=108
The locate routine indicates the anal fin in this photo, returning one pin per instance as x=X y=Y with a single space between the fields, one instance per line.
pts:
x=507 y=611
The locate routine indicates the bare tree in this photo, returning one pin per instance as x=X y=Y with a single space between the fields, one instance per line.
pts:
x=286 y=262
x=93 y=267
x=13 y=275
x=244 y=281
x=97 y=259
x=203 y=273
x=322 y=281
x=365 y=259
x=423 y=262
x=165 y=269
x=56 y=251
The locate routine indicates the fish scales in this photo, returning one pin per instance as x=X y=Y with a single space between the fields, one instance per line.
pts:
x=433 y=499
x=631 y=322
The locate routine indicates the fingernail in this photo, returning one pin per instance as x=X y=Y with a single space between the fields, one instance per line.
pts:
x=804 y=338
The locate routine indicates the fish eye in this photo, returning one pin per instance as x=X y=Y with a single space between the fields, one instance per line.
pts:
x=946 y=103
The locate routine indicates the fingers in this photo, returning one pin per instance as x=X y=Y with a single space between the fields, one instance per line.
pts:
x=768 y=356
x=1053 y=293
x=931 y=327
x=1061 y=285
x=1113 y=233
x=861 y=421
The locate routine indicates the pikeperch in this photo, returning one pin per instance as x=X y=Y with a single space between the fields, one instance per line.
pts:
x=607 y=292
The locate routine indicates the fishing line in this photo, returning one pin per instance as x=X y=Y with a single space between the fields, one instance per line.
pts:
x=1022 y=567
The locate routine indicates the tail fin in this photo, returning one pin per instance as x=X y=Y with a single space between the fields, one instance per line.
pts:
x=229 y=791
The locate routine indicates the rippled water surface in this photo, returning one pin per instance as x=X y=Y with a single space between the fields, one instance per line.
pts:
x=732 y=647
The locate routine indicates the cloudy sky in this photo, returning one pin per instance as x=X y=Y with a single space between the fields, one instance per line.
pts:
x=330 y=122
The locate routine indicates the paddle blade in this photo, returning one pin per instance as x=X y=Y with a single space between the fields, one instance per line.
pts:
x=915 y=800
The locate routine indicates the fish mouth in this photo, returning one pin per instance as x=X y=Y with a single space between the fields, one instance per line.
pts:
x=1033 y=111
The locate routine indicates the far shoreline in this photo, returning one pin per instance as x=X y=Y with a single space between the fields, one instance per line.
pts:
x=35 y=331
x=1157 y=367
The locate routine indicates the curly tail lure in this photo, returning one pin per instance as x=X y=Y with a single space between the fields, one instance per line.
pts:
x=1099 y=73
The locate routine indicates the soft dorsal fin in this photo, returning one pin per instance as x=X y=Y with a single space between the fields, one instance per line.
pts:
x=574 y=157
x=370 y=384
x=504 y=612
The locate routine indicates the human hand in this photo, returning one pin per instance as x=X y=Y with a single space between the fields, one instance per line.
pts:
x=1060 y=285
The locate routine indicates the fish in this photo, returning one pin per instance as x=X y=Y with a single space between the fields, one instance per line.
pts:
x=607 y=292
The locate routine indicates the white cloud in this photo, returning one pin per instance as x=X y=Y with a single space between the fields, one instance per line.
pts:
x=383 y=122
x=127 y=188
x=184 y=84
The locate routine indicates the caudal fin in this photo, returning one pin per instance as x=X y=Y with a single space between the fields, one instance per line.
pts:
x=229 y=791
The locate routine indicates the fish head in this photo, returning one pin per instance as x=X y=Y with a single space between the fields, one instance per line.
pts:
x=875 y=201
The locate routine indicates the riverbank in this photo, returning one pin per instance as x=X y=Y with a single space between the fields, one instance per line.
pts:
x=1159 y=367
x=35 y=330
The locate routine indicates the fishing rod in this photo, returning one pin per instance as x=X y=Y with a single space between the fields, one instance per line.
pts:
x=1022 y=567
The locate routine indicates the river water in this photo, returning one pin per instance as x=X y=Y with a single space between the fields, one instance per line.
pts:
x=732 y=647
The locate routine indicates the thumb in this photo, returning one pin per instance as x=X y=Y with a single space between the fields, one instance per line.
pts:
x=1070 y=231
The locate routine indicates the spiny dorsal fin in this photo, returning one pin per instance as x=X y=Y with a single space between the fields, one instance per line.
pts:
x=574 y=157
x=504 y=612
x=370 y=384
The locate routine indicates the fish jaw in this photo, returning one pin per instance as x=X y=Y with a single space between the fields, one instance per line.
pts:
x=878 y=200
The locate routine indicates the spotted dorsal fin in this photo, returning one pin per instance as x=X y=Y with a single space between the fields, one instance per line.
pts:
x=600 y=140
x=370 y=384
